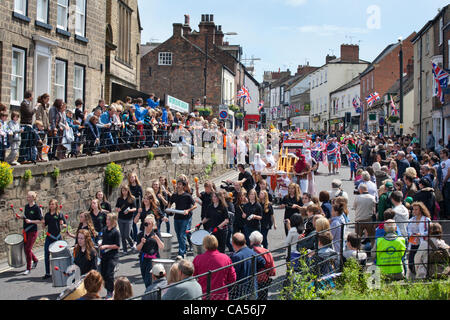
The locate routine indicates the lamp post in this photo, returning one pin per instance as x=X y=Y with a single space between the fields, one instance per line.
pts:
x=400 y=56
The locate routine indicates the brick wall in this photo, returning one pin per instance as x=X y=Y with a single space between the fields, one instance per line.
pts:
x=81 y=178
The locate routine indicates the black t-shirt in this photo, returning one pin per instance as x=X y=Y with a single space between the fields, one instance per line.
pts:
x=288 y=201
x=82 y=261
x=136 y=191
x=254 y=209
x=249 y=183
x=106 y=206
x=258 y=190
x=238 y=220
x=32 y=213
x=123 y=204
x=165 y=197
x=216 y=215
x=266 y=221
x=150 y=246
x=182 y=202
x=53 y=223
x=206 y=201
x=111 y=237
x=99 y=220
x=146 y=212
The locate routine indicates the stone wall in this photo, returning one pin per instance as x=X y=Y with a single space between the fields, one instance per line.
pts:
x=81 y=178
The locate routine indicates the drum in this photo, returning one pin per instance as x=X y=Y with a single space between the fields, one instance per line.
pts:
x=14 y=244
x=76 y=293
x=166 y=238
x=167 y=263
x=197 y=241
x=174 y=211
x=59 y=249
x=59 y=266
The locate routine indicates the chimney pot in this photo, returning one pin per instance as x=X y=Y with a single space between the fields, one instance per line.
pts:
x=186 y=19
x=203 y=18
x=211 y=18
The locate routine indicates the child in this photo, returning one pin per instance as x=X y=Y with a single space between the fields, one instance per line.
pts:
x=14 y=132
x=354 y=160
x=393 y=170
x=3 y=135
x=54 y=221
x=75 y=125
x=353 y=249
x=358 y=178
x=283 y=183
x=326 y=261
x=40 y=131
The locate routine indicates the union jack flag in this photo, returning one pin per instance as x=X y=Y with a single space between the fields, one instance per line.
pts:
x=243 y=93
x=372 y=98
x=394 y=109
x=441 y=78
x=357 y=104
x=260 y=105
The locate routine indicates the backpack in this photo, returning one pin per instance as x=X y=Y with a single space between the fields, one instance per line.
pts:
x=438 y=262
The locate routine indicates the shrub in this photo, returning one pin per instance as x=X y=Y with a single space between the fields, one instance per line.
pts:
x=239 y=115
x=27 y=175
x=6 y=175
x=113 y=175
x=150 y=156
x=55 y=173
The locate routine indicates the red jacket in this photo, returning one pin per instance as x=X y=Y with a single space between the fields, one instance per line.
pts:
x=209 y=261
x=263 y=277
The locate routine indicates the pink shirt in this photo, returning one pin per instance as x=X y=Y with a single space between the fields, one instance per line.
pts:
x=209 y=261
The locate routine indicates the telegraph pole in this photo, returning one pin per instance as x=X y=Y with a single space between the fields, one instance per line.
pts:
x=400 y=55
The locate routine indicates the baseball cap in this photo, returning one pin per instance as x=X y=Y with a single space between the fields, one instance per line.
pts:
x=158 y=270
x=409 y=200
x=389 y=185
x=336 y=183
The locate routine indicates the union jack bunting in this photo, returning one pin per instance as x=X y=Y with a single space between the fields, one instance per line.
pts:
x=243 y=93
x=357 y=104
x=260 y=105
x=394 y=109
x=441 y=78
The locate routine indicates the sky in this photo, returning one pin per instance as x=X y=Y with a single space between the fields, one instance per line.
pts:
x=286 y=33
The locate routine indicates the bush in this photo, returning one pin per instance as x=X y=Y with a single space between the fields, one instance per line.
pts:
x=113 y=175
x=55 y=173
x=239 y=115
x=27 y=175
x=150 y=156
x=6 y=175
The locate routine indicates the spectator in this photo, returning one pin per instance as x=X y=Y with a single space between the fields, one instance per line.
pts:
x=371 y=187
x=295 y=231
x=264 y=279
x=159 y=281
x=336 y=189
x=384 y=202
x=93 y=284
x=426 y=195
x=430 y=141
x=364 y=206
x=353 y=249
x=244 y=285
x=390 y=261
x=212 y=259
x=445 y=182
x=401 y=213
x=324 y=198
x=123 y=289
x=14 y=132
x=188 y=288
x=326 y=261
x=27 y=112
x=402 y=164
x=337 y=221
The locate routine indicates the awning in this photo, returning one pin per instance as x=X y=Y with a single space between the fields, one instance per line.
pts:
x=120 y=92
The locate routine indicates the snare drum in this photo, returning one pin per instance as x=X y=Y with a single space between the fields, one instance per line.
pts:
x=197 y=241
x=59 y=249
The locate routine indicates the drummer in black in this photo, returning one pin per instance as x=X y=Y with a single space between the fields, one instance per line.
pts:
x=245 y=178
x=98 y=216
x=149 y=244
x=217 y=219
x=292 y=202
x=104 y=204
x=205 y=200
x=54 y=220
x=32 y=217
x=84 y=254
x=109 y=252
x=252 y=214
x=239 y=222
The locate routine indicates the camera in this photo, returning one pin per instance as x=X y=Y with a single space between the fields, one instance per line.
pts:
x=227 y=186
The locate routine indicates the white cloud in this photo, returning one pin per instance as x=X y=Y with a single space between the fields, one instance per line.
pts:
x=295 y=3
x=331 y=30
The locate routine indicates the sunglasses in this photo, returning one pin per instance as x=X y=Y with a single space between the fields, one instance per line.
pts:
x=146 y=224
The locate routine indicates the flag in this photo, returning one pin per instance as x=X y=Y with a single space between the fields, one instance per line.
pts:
x=243 y=93
x=370 y=100
x=357 y=104
x=376 y=96
x=260 y=105
x=394 y=109
x=441 y=78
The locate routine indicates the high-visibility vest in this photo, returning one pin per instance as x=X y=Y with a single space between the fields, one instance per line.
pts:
x=389 y=254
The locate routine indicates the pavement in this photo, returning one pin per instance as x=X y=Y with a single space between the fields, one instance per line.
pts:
x=16 y=286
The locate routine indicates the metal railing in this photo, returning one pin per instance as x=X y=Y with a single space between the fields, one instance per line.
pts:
x=248 y=287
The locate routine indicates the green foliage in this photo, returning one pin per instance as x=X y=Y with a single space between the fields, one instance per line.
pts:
x=55 y=173
x=393 y=119
x=234 y=108
x=27 y=175
x=208 y=169
x=150 y=156
x=239 y=115
x=352 y=285
x=113 y=175
x=6 y=175
x=204 y=112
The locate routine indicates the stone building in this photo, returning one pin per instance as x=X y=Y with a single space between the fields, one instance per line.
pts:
x=177 y=66
x=431 y=44
x=122 y=49
x=55 y=47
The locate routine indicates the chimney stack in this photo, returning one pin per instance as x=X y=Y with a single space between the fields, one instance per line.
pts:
x=219 y=36
x=329 y=58
x=177 y=29
x=410 y=67
x=350 y=53
x=208 y=27
x=304 y=70
x=186 y=27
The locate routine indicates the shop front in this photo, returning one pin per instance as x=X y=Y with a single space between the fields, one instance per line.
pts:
x=251 y=121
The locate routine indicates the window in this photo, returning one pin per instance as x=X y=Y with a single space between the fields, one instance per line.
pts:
x=321 y=79
x=419 y=49
x=427 y=86
x=80 y=17
x=441 y=30
x=17 y=76
x=325 y=76
x=20 y=6
x=165 y=58
x=60 y=79
x=78 y=83
x=123 y=53
x=62 y=14
x=427 y=43
x=42 y=11
x=372 y=82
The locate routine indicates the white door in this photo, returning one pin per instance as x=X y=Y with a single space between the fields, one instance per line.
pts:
x=42 y=76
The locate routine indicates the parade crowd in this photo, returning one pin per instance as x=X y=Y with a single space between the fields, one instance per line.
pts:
x=401 y=191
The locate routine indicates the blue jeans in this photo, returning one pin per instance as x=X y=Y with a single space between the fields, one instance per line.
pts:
x=181 y=226
x=48 y=242
x=146 y=267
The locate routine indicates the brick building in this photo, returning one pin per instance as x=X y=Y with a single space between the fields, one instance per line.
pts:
x=379 y=76
x=122 y=51
x=53 y=47
x=177 y=66
x=431 y=44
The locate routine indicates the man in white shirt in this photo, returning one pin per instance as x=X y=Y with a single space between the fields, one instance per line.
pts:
x=401 y=213
x=371 y=187
x=364 y=206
